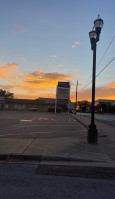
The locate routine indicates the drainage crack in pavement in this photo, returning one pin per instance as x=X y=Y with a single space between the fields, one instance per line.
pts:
x=29 y=145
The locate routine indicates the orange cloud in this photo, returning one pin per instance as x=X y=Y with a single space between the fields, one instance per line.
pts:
x=39 y=80
x=34 y=96
x=8 y=71
x=108 y=68
x=53 y=56
x=107 y=92
x=111 y=86
x=6 y=87
x=73 y=46
x=76 y=70
x=77 y=42
x=39 y=71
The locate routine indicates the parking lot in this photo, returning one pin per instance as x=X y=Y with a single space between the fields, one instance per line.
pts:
x=31 y=125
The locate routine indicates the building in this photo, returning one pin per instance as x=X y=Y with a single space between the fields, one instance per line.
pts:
x=62 y=101
x=24 y=104
x=63 y=95
x=106 y=106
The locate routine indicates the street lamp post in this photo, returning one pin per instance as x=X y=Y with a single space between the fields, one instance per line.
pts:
x=94 y=38
x=76 y=97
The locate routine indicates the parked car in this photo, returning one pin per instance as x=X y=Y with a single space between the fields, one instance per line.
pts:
x=52 y=109
x=33 y=108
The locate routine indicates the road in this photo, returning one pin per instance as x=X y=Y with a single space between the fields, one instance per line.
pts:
x=106 y=118
x=32 y=125
x=20 y=181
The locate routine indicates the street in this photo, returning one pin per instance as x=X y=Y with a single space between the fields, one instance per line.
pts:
x=106 y=118
x=20 y=181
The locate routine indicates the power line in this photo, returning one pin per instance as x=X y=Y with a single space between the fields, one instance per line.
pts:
x=99 y=73
x=88 y=82
x=106 y=51
x=105 y=67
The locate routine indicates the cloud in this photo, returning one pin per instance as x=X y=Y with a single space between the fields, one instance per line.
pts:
x=106 y=92
x=111 y=86
x=40 y=80
x=53 y=56
x=76 y=43
x=39 y=71
x=73 y=46
x=6 y=87
x=20 y=27
x=13 y=65
x=76 y=70
x=108 y=68
x=8 y=71
x=34 y=95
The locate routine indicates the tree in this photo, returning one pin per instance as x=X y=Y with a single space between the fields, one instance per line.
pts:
x=6 y=94
x=84 y=105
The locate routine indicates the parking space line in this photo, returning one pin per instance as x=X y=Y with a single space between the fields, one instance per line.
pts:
x=27 y=133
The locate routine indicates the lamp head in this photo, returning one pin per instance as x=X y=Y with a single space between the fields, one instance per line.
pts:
x=98 y=24
x=92 y=36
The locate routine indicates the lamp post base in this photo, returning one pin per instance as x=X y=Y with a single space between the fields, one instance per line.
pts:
x=92 y=134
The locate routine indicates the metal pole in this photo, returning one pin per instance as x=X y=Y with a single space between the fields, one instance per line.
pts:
x=56 y=101
x=76 y=96
x=92 y=131
x=93 y=86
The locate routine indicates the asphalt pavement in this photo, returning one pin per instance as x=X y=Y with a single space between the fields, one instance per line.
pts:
x=103 y=117
x=54 y=139
x=20 y=181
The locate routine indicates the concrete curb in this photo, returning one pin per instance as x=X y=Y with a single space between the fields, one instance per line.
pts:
x=74 y=116
x=23 y=157
x=77 y=171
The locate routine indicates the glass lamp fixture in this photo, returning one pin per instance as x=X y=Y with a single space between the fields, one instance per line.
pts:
x=92 y=36
x=98 y=24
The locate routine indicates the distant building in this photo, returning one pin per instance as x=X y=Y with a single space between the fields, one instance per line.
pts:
x=104 y=105
x=25 y=104
x=47 y=100
x=42 y=104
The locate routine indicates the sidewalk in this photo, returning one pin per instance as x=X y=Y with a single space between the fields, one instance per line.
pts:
x=64 y=151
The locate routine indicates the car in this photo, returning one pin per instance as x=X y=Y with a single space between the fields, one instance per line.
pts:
x=33 y=108
x=52 y=109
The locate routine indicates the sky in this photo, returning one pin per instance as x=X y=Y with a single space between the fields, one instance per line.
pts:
x=46 y=41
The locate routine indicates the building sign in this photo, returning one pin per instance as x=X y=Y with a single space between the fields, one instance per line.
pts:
x=64 y=84
x=63 y=91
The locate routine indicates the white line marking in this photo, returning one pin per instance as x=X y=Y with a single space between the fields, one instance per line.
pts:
x=25 y=120
x=28 y=133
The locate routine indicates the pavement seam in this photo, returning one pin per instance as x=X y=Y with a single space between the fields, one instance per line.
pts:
x=28 y=146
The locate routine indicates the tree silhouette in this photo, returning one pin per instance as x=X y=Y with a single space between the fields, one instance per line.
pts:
x=6 y=94
x=84 y=105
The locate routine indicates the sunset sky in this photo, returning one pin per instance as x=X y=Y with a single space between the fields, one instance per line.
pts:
x=46 y=41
